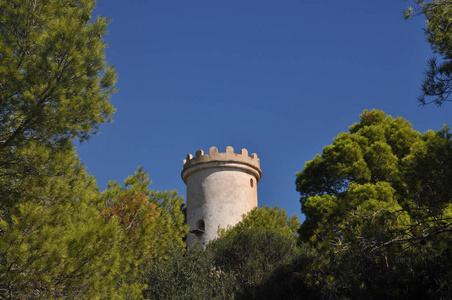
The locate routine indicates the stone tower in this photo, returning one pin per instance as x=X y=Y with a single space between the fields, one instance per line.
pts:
x=221 y=187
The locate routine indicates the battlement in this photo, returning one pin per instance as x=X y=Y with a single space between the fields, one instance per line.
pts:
x=215 y=158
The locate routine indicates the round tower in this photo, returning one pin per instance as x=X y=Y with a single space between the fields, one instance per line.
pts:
x=221 y=187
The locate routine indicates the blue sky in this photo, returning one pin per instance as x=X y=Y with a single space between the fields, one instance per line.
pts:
x=280 y=78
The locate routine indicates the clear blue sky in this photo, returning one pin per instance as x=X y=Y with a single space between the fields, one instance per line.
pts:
x=280 y=78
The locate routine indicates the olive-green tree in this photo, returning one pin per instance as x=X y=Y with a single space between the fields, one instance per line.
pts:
x=292 y=280
x=248 y=252
x=233 y=266
x=55 y=86
x=152 y=223
x=188 y=276
x=249 y=257
x=55 y=242
x=54 y=80
x=265 y=217
x=378 y=210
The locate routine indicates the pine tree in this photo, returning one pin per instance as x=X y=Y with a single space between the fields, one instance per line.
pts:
x=54 y=242
x=379 y=211
x=54 y=87
x=54 y=80
x=437 y=85
x=152 y=223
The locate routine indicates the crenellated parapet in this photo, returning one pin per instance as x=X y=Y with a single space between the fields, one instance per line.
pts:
x=215 y=159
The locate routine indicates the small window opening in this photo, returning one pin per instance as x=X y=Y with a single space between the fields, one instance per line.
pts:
x=251 y=182
x=200 y=228
x=200 y=225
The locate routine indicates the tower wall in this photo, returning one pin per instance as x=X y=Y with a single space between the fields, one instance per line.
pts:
x=221 y=187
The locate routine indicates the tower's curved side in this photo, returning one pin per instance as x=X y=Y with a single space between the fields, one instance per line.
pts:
x=221 y=187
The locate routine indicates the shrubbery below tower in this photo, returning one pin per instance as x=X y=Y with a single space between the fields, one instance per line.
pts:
x=221 y=187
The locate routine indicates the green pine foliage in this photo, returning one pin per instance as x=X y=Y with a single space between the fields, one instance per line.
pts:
x=152 y=223
x=189 y=276
x=54 y=80
x=248 y=258
x=291 y=280
x=437 y=85
x=55 y=86
x=250 y=251
x=72 y=241
x=54 y=242
x=237 y=265
x=274 y=219
x=378 y=212
x=59 y=236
